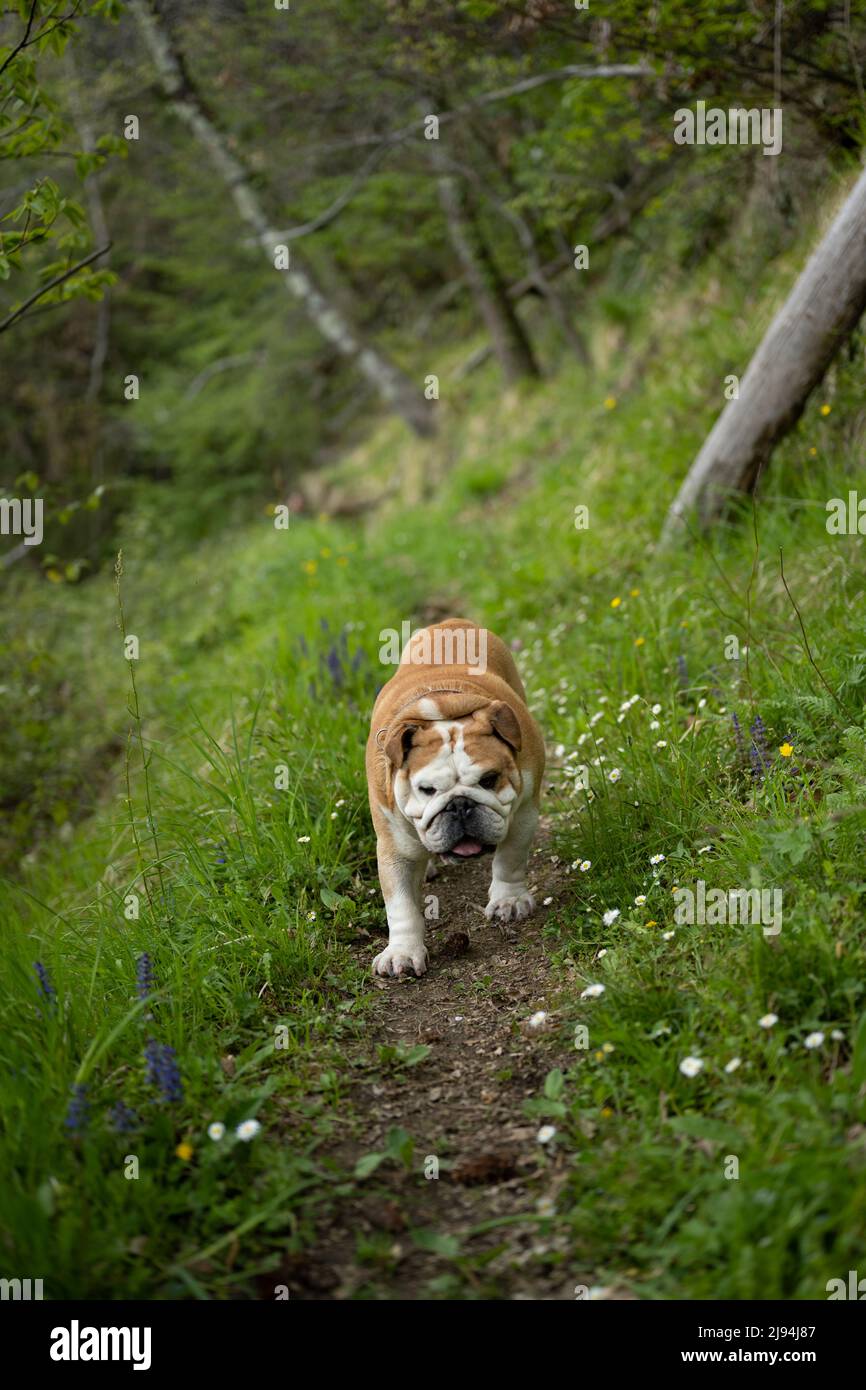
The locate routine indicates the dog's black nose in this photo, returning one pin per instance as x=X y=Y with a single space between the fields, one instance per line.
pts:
x=461 y=805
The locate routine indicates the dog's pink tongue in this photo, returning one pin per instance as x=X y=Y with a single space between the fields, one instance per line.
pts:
x=466 y=848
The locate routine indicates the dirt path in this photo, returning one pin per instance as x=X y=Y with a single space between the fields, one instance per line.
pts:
x=462 y=1105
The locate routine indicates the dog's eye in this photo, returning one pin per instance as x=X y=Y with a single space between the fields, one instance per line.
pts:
x=489 y=780
x=428 y=791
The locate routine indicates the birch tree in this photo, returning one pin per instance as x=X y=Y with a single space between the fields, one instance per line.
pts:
x=392 y=384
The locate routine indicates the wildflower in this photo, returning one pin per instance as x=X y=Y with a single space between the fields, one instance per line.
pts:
x=731 y=1067
x=45 y=986
x=184 y=1151
x=654 y=724
x=309 y=567
x=705 y=849
x=593 y=992
x=599 y=1056
x=303 y=839
x=640 y=900
x=639 y=641
x=602 y=952
x=813 y=1040
x=786 y=750
x=652 y=923
x=837 y=1035
x=825 y=409
x=78 y=1113
x=633 y=593
x=656 y=709
x=143 y=976
x=610 y=916
x=758 y=754
x=595 y=718
x=662 y=743
x=122 y=1119
x=610 y=403
x=701 y=703
x=615 y=602
x=247 y=1130
x=162 y=1070
x=216 y=1130
x=606 y=1112
x=547 y=902
x=546 y=1133
x=690 y=1066
x=311 y=916
x=614 y=774
x=768 y=1020
x=333 y=815
x=537 y=1020
x=545 y=1206
x=585 y=866
x=657 y=858
x=668 y=935
x=608 y=1047
x=341 y=802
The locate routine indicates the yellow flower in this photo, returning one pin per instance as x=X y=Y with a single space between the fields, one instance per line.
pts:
x=633 y=593
x=825 y=409
x=653 y=923
x=813 y=451
x=599 y=1056
x=325 y=552
x=610 y=402
x=639 y=641
x=615 y=602
x=606 y=1113
x=683 y=624
x=309 y=567
x=184 y=1151
x=786 y=750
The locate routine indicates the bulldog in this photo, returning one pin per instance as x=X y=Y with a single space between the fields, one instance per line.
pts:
x=454 y=768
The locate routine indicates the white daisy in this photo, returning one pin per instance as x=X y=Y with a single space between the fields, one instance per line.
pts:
x=216 y=1130
x=614 y=774
x=247 y=1130
x=303 y=839
x=640 y=900
x=654 y=724
x=837 y=1035
x=592 y=992
x=690 y=1066
x=667 y=935
x=602 y=952
x=538 y=1019
x=546 y=1134
x=657 y=859
x=662 y=743
x=732 y=1065
x=768 y=1020
x=610 y=916
x=657 y=709
x=545 y=1206
x=813 y=1040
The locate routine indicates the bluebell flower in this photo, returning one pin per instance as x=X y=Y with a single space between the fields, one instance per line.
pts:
x=45 y=985
x=122 y=1119
x=78 y=1113
x=163 y=1071
x=143 y=976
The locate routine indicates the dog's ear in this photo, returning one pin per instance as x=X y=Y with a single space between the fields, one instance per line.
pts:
x=398 y=743
x=504 y=723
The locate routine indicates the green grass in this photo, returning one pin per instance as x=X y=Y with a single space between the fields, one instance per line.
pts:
x=259 y=649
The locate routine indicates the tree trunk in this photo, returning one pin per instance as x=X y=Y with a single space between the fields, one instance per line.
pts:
x=821 y=311
x=391 y=383
x=508 y=339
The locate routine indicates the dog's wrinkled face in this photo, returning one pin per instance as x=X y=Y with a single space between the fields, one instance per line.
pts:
x=458 y=781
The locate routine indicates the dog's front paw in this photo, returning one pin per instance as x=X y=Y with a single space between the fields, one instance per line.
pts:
x=511 y=906
x=401 y=960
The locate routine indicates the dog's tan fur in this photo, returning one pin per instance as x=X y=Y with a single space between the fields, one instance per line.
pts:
x=459 y=721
